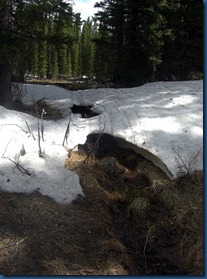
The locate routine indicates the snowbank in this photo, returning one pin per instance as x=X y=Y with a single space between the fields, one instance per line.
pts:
x=163 y=121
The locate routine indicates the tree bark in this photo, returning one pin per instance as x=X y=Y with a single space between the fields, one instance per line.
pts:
x=5 y=84
x=5 y=68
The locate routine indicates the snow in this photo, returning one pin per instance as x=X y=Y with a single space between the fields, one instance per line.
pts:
x=162 y=121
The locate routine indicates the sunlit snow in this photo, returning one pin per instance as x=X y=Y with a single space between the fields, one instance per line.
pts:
x=163 y=121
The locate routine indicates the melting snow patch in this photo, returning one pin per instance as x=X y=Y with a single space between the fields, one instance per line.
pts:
x=163 y=121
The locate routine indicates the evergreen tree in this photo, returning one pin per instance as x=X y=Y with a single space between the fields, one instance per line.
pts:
x=103 y=60
x=182 y=53
x=75 y=49
x=42 y=59
x=106 y=50
x=54 y=63
x=87 y=49
x=34 y=62
x=150 y=40
x=62 y=59
x=128 y=42
x=69 y=63
x=131 y=39
x=143 y=40
x=75 y=60
x=22 y=24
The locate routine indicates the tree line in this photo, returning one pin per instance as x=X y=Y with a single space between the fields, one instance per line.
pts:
x=146 y=40
x=127 y=42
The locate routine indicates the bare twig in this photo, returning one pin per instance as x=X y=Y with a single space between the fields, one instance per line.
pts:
x=181 y=164
x=67 y=132
x=94 y=149
x=194 y=158
x=18 y=92
x=42 y=126
x=69 y=150
x=28 y=127
x=38 y=129
x=96 y=145
x=20 y=168
x=15 y=125
x=2 y=156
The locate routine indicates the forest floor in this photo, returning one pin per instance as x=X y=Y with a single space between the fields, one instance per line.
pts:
x=132 y=220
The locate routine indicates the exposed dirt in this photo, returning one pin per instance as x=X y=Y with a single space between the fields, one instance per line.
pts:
x=132 y=221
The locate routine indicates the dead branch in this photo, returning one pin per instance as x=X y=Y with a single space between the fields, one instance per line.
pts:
x=181 y=164
x=28 y=127
x=20 y=168
x=69 y=150
x=96 y=144
x=67 y=132
x=42 y=126
x=194 y=158
x=2 y=156
x=15 y=125
x=38 y=129
x=18 y=92
x=93 y=149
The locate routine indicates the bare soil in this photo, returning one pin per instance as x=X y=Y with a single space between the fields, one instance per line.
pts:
x=131 y=221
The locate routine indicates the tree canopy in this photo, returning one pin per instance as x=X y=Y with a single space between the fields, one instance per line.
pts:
x=127 y=42
x=152 y=40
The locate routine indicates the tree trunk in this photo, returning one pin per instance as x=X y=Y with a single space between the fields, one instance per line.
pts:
x=5 y=69
x=5 y=84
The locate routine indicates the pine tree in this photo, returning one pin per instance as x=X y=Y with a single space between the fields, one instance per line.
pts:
x=75 y=60
x=142 y=41
x=62 y=59
x=69 y=62
x=148 y=40
x=34 y=67
x=129 y=27
x=55 y=69
x=182 y=53
x=22 y=24
x=75 y=49
x=42 y=59
x=87 y=49
x=103 y=59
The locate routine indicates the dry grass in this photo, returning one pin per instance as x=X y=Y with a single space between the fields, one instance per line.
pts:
x=42 y=237
x=127 y=224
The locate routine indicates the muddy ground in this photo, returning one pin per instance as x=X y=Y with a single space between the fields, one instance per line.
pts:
x=132 y=221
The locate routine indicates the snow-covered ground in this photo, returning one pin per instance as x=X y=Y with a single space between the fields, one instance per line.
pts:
x=163 y=121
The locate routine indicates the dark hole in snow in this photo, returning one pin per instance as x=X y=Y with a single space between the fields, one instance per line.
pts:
x=85 y=111
x=100 y=145
x=105 y=148
x=104 y=145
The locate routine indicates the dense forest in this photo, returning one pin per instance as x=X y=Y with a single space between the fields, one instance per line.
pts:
x=127 y=42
